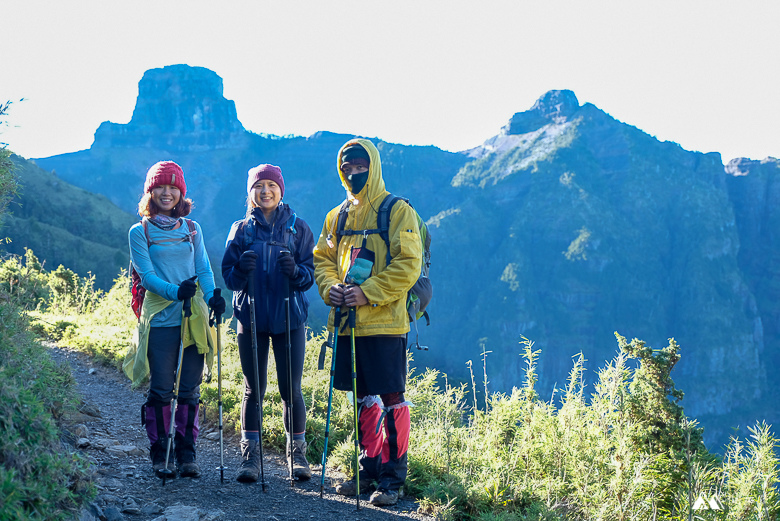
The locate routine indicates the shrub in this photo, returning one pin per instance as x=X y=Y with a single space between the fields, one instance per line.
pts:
x=40 y=478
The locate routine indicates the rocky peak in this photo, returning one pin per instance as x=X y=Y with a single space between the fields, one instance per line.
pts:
x=179 y=107
x=555 y=106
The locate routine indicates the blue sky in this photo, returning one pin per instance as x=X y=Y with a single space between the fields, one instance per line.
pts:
x=446 y=73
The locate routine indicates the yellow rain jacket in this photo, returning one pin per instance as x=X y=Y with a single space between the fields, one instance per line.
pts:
x=136 y=363
x=388 y=285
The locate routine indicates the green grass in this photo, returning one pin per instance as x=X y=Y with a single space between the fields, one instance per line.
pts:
x=621 y=450
x=40 y=476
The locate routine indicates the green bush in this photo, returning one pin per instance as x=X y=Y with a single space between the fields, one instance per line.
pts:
x=40 y=478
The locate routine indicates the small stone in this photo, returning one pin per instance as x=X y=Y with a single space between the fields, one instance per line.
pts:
x=124 y=450
x=214 y=515
x=130 y=507
x=101 y=443
x=213 y=436
x=116 y=451
x=151 y=509
x=83 y=443
x=109 y=499
x=180 y=513
x=90 y=410
x=137 y=451
x=92 y=370
x=113 y=514
x=81 y=431
x=91 y=512
x=112 y=484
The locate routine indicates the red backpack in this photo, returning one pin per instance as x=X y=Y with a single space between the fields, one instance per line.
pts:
x=137 y=291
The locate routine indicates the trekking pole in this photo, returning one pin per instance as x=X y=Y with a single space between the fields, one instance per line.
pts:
x=187 y=308
x=253 y=328
x=336 y=324
x=289 y=371
x=354 y=406
x=217 y=319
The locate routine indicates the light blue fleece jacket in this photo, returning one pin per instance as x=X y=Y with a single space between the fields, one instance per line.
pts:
x=162 y=267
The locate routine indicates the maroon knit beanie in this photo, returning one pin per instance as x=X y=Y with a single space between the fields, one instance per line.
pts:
x=274 y=173
x=165 y=173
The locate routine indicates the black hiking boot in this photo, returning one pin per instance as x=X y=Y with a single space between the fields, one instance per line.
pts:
x=250 y=462
x=186 y=435
x=185 y=461
x=157 y=455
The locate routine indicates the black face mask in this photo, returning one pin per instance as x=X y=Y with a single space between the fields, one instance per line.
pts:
x=358 y=181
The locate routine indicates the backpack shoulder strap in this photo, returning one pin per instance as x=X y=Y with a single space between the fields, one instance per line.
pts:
x=290 y=231
x=145 y=224
x=191 y=226
x=249 y=232
x=341 y=221
x=383 y=219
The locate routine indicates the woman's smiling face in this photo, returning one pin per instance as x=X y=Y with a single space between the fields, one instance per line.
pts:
x=266 y=195
x=166 y=197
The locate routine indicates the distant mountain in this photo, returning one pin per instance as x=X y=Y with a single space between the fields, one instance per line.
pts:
x=181 y=115
x=67 y=225
x=565 y=227
x=574 y=225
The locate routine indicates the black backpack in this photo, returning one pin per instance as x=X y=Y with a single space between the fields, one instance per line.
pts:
x=420 y=295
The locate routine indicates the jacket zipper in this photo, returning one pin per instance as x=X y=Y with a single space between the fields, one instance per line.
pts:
x=267 y=268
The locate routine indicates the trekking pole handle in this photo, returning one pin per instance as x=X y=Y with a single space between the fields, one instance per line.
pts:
x=188 y=303
x=215 y=318
x=250 y=285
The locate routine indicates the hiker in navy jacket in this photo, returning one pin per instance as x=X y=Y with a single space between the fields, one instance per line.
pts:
x=256 y=245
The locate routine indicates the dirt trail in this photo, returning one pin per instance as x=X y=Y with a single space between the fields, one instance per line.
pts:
x=108 y=431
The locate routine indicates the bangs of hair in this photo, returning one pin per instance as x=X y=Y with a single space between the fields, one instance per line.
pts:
x=147 y=208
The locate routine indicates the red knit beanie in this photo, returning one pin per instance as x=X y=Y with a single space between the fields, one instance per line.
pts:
x=274 y=173
x=165 y=173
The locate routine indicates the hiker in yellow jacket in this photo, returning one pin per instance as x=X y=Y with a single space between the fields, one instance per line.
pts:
x=351 y=269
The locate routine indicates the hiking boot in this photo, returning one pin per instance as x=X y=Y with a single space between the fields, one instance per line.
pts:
x=348 y=488
x=301 y=468
x=250 y=464
x=185 y=462
x=188 y=469
x=384 y=498
x=157 y=455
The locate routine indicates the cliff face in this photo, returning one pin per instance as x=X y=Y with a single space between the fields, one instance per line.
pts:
x=180 y=107
x=754 y=192
x=564 y=227
x=582 y=225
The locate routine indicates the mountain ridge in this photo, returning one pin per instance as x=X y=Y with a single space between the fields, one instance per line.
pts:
x=564 y=227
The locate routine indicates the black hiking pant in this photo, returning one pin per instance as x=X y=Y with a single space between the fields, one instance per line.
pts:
x=279 y=343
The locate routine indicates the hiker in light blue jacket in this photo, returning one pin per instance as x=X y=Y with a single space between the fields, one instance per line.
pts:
x=168 y=253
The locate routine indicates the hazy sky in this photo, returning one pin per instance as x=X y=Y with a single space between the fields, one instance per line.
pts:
x=446 y=73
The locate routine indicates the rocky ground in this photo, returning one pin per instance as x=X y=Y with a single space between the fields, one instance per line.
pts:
x=108 y=430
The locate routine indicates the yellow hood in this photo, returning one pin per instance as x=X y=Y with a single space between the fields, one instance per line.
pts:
x=375 y=186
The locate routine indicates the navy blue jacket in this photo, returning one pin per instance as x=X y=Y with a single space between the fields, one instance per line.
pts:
x=268 y=241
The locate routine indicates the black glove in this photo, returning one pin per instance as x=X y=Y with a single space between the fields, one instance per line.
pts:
x=248 y=261
x=217 y=305
x=186 y=290
x=287 y=266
